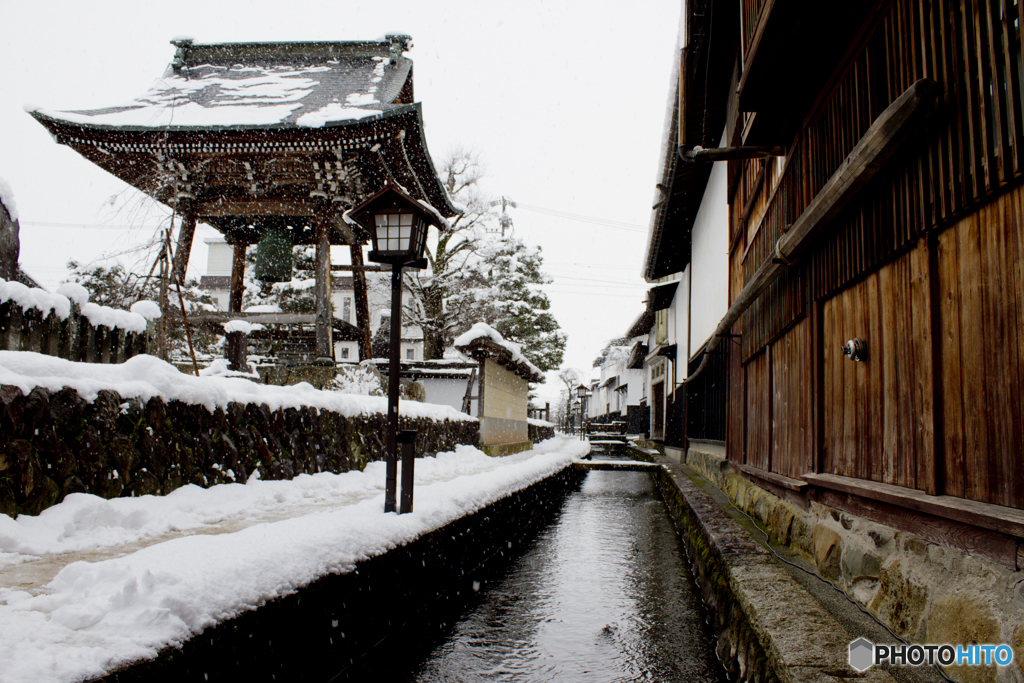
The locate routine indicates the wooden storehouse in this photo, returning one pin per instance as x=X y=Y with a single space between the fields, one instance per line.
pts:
x=858 y=172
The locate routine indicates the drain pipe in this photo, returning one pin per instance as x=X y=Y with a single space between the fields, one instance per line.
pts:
x=879 y=143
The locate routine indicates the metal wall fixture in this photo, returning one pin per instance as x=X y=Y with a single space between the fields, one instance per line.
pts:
x=856 y=349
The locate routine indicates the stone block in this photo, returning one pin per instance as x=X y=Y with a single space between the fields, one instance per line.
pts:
x=827 y=551
x=960 y=619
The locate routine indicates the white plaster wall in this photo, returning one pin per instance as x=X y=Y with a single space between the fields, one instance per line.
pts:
x=220 y=254
x=448 y=392
x=710 y=259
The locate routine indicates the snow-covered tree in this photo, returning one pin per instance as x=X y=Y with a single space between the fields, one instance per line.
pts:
x=476 y=276
x=503 y=289
x=451 y=251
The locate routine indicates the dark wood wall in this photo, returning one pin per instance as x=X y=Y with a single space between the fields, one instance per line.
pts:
x=926 y=267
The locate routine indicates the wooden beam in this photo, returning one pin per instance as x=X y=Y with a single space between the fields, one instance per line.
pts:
x=362 y=303
x=236 y=345
x=986 y=515
x=186 y=209
x=220 y=317
x=266 y=206
x=324 y=347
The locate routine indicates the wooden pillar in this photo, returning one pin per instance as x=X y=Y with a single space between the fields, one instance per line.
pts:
x=186 y=208
x=236 y=348
x=362 y=303
x=324 y=345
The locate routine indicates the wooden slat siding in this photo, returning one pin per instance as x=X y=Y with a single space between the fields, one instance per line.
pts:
x=920 y=300
x=735 y=402
x=886 y=359
x=1011 y=73
x=948 y=310
x=973 y=360
x=792 y=417
x=750 y=16
x=759 y=418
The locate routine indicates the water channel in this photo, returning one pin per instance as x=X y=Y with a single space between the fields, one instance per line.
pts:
x=604 y=593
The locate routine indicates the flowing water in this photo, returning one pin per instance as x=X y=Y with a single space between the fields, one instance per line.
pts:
x=604 y=593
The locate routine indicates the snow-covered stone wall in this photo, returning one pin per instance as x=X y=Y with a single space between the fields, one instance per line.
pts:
x=54 y=443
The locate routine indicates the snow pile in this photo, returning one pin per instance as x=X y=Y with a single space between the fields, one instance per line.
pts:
x=150 y=310
x=539 y=423
x=145 y=376
x=33 y=297
x=74 y=291
x=112 y=317
x=238 y=326
x=485 y=331
x=219 y=368
x=7 y=199
x=94 y=616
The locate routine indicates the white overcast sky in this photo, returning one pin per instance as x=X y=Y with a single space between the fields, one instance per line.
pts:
x=563 y=99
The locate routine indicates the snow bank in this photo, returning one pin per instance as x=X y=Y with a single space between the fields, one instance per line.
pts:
x=94 y=616
x=145 y=376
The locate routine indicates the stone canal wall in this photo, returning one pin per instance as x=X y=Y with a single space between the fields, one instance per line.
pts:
x=372 y=623
x=770 y=629
x=53 y=444
x=925 y=592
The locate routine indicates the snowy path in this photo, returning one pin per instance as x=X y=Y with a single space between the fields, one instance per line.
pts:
x=92 y=583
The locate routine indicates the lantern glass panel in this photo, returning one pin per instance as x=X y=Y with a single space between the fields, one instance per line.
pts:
x=394 y=232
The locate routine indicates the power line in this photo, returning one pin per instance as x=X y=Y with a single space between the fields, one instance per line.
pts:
x=631 y=227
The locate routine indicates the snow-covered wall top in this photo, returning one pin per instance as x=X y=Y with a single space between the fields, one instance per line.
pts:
x=255 y=91
x=484 y=332
x=146 y=377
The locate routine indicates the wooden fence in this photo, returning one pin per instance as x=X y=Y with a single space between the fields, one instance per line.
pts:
x=74 y=338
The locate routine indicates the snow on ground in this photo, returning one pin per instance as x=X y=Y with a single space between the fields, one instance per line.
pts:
x=146 y=376
x=96 y=615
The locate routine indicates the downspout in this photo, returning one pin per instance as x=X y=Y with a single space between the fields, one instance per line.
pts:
x=879 y=143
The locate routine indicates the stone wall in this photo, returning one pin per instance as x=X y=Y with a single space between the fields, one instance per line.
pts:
x=53 y=444
x=374 y=623
x=925 y=592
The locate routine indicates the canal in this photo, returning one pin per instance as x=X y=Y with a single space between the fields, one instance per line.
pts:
x=604 y=593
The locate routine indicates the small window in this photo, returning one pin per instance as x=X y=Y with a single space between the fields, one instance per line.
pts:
x=346 y=309
x=410 y=354
x=344 y=353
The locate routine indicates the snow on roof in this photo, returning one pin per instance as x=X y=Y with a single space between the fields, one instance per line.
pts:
x=486 y=333
x=127 y=603
x=145 y=377
x=7 y=199
x=269 y=84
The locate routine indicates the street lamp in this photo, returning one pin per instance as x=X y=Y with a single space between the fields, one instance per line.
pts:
x=582 y=392
x=398 y=226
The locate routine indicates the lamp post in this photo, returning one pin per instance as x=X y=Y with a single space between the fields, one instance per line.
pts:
x=582 y=392
x=398 y=226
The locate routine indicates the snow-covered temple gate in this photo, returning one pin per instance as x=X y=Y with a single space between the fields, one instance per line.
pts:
x=258 y=137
